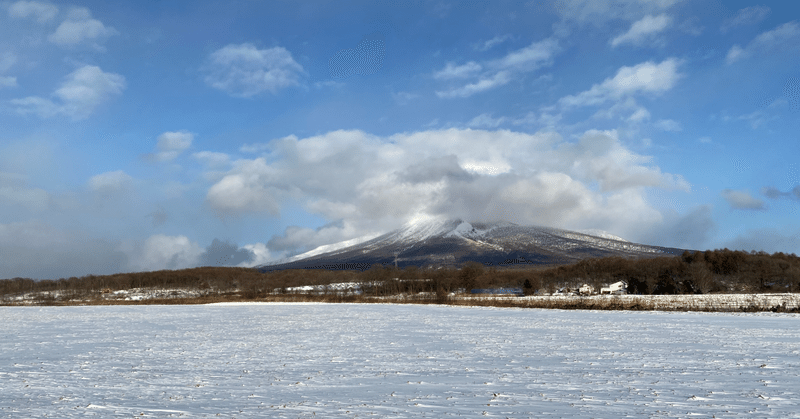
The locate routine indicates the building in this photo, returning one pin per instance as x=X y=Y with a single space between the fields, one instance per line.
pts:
x=620 y=287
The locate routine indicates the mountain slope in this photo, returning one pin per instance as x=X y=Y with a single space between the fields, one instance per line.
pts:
x=453 y=242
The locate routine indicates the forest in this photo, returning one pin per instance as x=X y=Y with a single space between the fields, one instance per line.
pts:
x=702 y=272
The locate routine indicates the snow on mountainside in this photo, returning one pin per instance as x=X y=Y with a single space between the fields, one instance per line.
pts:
x=427 y=241
x=330 y=248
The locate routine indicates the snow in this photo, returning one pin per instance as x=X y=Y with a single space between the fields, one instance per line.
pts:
x=338 y=287
x=330 y=248
x=463 y=229
x=351 y=360
x=603 y=235
x=421 y=228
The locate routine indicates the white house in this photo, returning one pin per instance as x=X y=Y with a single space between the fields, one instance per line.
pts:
x=586 y=289
x=620 y=287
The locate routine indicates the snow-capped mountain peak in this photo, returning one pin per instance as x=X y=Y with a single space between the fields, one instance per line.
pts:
x=426 y=241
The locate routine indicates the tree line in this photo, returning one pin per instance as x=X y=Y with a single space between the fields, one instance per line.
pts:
x=713 y=271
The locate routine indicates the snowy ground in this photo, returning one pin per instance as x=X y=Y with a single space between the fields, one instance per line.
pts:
x=376 y=360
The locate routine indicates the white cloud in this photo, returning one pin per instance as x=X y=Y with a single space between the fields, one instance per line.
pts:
x=668 y=125
x=86 y=88
x=784 y=39
x=452 y=71
x=247 y=188
x=164 y=252
x=8 y=81
x=81 y=93
x=498 y=72
x=496 y=80
x=364 y=184
x=110 y=182
x=643 y=30
x=742 y=200
x=735 y=54
x=746 y=16
x=531 y=57
x=758 y=118
x=44 y=108
x=170 y=145
x=212 y=159
x=260 y=255
x=647 y=77
x=487 y=45
x=7 y=60
x=244 y=70
x=486 y=120
x=254 y=147
x=43 y=12
x=78 y=27
x=403 y=98
x=34 y=199
x=599 y=12
x=640 y=114
x=543 y=119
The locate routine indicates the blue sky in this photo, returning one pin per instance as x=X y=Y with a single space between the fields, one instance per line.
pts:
x=151 y=135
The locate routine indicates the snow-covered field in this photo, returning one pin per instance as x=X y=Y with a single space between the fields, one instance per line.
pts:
x=376 y=360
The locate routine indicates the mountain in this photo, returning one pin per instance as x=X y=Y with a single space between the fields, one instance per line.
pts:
x=431 y=242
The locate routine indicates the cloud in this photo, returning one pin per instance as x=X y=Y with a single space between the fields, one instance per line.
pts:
x=498 y=79
x=640 y=114
x=170 y=145
x=7 y=60
x=159 y=217
x=487 y=45
x=784 y=40
x=770 y=240
x=247 y=188
x=8 y=81
x=746 y=16
x=44 y=12
x=543 y=119
x=496 y=73
x=686 y=231
x=452 y=71
x=35 y=249
x=160 y=251
x=78 y=27
x=486 y=120
x=364 y=184
x=244 y=70
x=260 y=255
x=647 y=77
x=742 y=200
x=224 y=253
x=296 y=239
x=363 y=60
x=775 y=193
x=758 y=118
x=403 y=98
x=643 y=30
x=668 y=125
x=599 y=12
x=109 y=183
x=530 y=58
x=81 y=93
x=13 y=191
x=212 y=159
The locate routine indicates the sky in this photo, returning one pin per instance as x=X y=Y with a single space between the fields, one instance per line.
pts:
x=140 y=136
